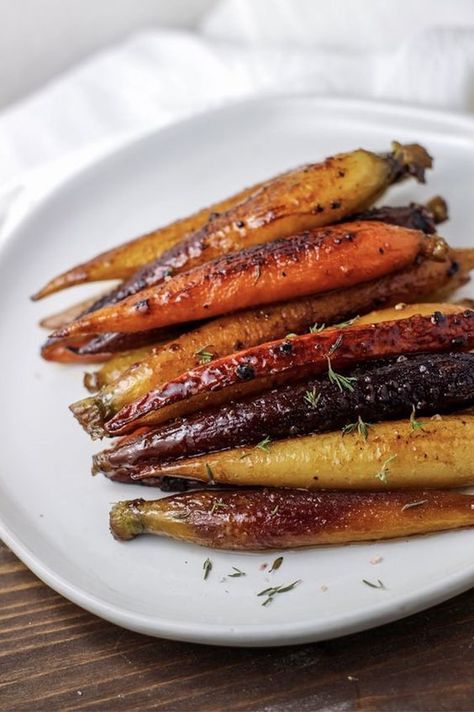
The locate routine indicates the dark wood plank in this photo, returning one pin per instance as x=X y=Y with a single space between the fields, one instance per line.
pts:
x=55 y=656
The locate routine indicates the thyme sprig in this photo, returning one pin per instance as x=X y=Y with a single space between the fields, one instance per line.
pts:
x=218 y=504
x=312 y=397
x=342 y=382
x=361 y=426
x=272 y=591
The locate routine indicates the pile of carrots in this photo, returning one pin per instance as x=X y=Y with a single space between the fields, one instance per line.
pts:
x=292 y=359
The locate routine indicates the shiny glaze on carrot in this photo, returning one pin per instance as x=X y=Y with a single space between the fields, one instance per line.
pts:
x=264 y=366
x=431 y=383
x=312 y=262
x=413 y=216
x=122 y=262
x=309 y=196
x=256 y=519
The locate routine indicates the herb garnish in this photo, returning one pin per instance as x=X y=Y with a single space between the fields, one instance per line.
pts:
x=207 y=568
x=276 y=564
x=182 y=515
x=273 y=590
x=210 y=474
x=383 y=472
x=342 y=382
x=237 y=573
x=349 y=322
x=264 y=444
x=203 y=355
x=361 y=427
x=312 y=397
x=410 y=505
x=218 y=504
x=415 y=424
x=379 y=584
x=317 y=328
x=335 y=345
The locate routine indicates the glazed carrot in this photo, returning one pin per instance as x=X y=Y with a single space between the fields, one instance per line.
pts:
x=413 y=216
x=309 y=196
x=436 y=383
x=394 y=455
x=263 y=367
x=278 y=519
x=336 y=257
x=224 y=335
x=122 y=261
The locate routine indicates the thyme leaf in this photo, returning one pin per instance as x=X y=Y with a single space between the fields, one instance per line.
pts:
x=312 y=398
x=207 y=568
x=342 y=382
x=335 y=345
x=210 y=474
x=415 y=424
x=264 y=444
x=349 y=322
x=379 y=584
x=276 y=564
x=317 y=328
x=384 y=470
x=237 y=573
x=410 y=505
x=204 y=356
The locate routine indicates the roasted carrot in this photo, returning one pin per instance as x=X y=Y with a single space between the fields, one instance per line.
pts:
x=277 y=519
x=227 y=334
x=413 y=216
x=395 y=455
x=265 y=366
x=309 y=196
x=123 y=261
x=318 y=261
x=429 y=383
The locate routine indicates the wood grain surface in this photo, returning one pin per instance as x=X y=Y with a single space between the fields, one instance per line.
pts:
x=55 y=656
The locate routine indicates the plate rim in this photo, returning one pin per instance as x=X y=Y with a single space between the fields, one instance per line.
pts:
x=251 y=635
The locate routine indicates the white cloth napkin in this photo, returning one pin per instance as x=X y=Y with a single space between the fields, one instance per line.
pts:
x=417 y=51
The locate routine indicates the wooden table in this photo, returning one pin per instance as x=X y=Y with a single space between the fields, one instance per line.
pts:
x=55 y=656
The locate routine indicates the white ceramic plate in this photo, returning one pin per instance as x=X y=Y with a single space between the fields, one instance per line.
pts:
x=54 y=515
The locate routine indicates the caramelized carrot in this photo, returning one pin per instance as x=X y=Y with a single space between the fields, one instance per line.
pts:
x=436 y=383
x=336 y=257
x=282 y=361
x=307 y=197
x=276 y=519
